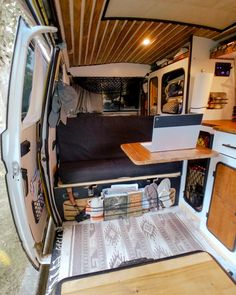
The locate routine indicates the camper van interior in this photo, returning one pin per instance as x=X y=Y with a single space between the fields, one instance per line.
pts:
x=93 y=82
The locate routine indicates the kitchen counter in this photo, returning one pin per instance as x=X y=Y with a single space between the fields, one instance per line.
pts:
x=221 y=125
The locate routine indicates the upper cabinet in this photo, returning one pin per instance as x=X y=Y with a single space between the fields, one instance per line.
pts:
x=167 y=88
x=226 y=51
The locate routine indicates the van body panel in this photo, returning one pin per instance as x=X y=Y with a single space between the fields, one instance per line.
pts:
x=90 y=46
x=20 y=139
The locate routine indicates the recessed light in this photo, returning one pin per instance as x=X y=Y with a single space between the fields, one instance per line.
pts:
x=146 y=41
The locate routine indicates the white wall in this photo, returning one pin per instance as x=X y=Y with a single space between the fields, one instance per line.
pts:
x=200 y=61
x=111 y=70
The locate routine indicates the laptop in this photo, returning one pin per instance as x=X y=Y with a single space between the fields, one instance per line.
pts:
x=174 y=132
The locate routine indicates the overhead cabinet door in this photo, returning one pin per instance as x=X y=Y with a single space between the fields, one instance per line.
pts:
x=222 y=215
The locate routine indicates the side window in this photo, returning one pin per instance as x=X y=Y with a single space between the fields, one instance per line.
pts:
x=28 y=82
x=34 y=85
x=118 y=94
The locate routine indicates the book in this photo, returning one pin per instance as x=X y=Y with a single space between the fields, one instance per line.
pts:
x=135 y=207
x=115 y=206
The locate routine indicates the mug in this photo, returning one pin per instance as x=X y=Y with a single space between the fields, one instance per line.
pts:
x=95 y=207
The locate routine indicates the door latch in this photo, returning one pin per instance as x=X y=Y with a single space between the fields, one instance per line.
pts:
x=15 y=169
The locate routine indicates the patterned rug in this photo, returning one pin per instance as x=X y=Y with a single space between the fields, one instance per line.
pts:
x=91 y=247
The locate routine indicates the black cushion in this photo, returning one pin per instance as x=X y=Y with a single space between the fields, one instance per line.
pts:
x=93 y=137
x=94 y=170
x=89 y=148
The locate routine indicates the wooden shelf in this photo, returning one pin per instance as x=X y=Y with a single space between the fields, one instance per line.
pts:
x=227 y=51
x=139 y=155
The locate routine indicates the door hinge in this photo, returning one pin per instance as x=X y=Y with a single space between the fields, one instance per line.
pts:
x=214 y=173
x=207 y=214
x=42 y=258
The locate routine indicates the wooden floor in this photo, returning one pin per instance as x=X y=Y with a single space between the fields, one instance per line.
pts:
x=191 y=274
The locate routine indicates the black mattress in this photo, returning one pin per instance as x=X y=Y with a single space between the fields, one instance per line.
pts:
x=89 y=148
x=95 y=170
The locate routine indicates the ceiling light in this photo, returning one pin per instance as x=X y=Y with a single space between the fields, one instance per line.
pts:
x=146 y=41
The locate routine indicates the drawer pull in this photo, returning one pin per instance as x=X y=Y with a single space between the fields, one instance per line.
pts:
x=229 y=146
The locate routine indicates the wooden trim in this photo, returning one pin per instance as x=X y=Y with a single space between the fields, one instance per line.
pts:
x=64 y=5
x=136 y=38
x=156 y=37
x=93 y=40
x=98 y=27
x=76 y=23
x=121 y=179
x=125 y=39
x=172 y=47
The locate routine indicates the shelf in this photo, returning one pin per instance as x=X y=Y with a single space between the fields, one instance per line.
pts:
x=139 y=155
x=227 y=51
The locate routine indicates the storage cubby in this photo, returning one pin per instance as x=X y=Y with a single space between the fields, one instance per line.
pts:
x=197 y=171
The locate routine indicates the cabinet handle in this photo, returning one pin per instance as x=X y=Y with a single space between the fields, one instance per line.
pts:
x=229 y=146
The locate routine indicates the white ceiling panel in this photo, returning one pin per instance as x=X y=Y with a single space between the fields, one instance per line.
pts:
x=218 y=14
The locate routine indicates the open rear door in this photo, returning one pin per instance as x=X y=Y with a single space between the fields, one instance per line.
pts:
x=26 y=94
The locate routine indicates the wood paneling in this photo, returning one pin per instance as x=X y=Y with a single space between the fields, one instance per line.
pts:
x=222 y=215
x=191 y=274
x=65 y=12
x=91 y=40
x=76 y=28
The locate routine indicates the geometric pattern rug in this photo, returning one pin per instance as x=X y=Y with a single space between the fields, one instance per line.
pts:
x=105 y=245
x=94 y=246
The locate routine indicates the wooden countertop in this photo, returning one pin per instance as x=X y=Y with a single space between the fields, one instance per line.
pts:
x=193 y=274
x=139 y=155
x=221 y=125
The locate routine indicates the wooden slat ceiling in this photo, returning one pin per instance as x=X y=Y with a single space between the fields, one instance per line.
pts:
x=91 y=40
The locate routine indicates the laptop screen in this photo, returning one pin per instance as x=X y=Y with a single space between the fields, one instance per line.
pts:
x=177 y=120
x=175 y=132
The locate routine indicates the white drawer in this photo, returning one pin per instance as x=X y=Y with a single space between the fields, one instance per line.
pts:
x=225 y=143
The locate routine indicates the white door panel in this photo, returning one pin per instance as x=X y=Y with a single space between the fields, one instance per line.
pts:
x=34 y=198
x=24 y=186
